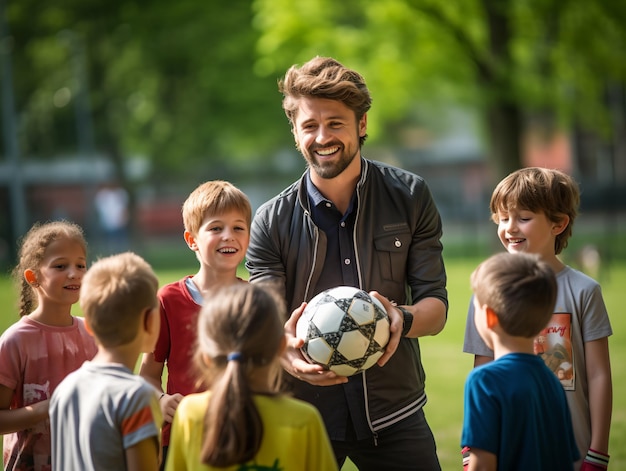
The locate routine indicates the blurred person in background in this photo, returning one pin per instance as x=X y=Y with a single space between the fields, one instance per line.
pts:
x=111 y=202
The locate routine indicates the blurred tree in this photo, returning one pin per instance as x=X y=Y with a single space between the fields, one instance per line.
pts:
x=173 y=81
x=192 y=84
x=521 y=62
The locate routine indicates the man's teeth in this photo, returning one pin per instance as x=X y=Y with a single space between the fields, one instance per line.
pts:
x=332 y=150
x=516 y=241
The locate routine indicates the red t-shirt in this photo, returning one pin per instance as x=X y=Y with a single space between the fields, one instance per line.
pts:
x=177 y=340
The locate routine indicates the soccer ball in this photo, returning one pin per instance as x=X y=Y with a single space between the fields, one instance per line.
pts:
x=344 y=329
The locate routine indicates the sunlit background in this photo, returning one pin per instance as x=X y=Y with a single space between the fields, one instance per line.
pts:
x=154 y=97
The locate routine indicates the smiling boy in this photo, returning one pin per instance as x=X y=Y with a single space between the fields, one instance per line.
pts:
x=216 y=216
x=535 y=209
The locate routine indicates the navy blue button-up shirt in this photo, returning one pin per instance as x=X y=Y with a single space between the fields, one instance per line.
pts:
x=339 y=269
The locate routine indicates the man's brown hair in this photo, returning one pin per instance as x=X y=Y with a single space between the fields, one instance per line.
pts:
x=324 y=77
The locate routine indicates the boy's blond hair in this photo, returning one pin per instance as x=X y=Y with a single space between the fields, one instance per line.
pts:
x=536 y=189
x=214 y=197
x=115 y=292
x=520 y=288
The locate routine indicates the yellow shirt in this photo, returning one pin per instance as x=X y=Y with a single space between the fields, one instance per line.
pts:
x=294 y=437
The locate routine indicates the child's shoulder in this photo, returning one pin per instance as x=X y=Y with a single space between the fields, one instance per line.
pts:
x=173 y=287
x=288 y=407
x=509 y=365
x=576 y=278
x=113 y=375
x=23 y=326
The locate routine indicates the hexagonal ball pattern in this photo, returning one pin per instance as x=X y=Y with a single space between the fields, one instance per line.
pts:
x=353 y=345
x=361 y=311
x=327 y=317
x=381 y=335
x=344 y=329
x=319 y=351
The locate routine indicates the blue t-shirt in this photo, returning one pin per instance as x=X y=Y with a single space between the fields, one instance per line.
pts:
x=516 y=408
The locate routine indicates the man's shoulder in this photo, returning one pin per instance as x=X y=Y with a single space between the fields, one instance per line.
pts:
x=393 y=174
x=286 y=198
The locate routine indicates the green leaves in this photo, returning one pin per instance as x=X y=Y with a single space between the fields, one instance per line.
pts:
x=192 y=84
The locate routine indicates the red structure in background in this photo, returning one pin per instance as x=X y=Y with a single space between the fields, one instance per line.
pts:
x=154 y=217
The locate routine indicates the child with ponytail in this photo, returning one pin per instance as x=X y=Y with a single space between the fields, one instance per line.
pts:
x=244 y=419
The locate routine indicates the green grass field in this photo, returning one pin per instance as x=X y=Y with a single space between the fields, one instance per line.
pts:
x=447 y=366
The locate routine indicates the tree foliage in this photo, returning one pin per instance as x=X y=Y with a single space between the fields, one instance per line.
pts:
x=192 y=84
x=173 y=81
x=518 y=61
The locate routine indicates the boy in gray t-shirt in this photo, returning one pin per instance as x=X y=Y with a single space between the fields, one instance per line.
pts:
x=102 y=416
x=535 y=209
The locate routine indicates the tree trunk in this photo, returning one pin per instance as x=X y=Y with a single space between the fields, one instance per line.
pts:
x=504 y=131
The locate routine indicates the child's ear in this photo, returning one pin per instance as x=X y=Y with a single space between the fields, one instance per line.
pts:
x=151 y=320
x=560 y=226
x=88 y=327
x=492 y=318
x=206 y=359
x=151 y=325
x=30 y=276
x=191 y=240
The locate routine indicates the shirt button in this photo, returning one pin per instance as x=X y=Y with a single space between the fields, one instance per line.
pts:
x=397 y=243
x=347 y=261
x=343 y=224
x=328 y=205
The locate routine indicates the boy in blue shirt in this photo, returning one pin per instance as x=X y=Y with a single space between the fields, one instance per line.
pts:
x=516 y=413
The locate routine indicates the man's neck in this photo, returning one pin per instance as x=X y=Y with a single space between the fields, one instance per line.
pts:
x=340 y=189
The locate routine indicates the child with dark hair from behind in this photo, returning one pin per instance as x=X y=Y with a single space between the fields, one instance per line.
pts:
x=102 y=415
x=535 y=209
x=46 y=344
x=243 y=420
x=516 y=414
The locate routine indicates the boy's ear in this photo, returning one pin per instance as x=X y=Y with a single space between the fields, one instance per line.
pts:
x=191 y=240
x=151 y=318
x=88 y=327
x=492 y=318
x=151 y=325
x=560 y=226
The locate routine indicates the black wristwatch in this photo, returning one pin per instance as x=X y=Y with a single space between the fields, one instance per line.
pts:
x=407 y=320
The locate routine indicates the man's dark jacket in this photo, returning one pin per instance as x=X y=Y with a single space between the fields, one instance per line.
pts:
x=398 y=251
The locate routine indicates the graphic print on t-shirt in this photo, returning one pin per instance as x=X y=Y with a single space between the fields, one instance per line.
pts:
x=554 y=345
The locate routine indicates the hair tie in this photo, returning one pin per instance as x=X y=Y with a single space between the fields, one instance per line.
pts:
x=234 y=356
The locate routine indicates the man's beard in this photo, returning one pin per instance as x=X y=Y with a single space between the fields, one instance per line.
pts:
x=330 y=169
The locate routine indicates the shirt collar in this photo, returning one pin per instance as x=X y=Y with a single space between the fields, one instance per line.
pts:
x=315 y=197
